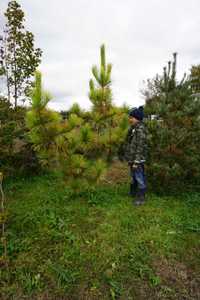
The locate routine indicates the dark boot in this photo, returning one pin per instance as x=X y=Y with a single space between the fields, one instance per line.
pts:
x=140 y=199
x=132 y=191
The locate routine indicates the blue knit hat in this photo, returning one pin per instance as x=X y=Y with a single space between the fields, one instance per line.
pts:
x=137 y=113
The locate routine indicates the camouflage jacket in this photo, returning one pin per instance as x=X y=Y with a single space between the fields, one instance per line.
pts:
x=135 y=145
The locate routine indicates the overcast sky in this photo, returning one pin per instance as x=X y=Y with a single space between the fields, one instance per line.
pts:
x=140 y=37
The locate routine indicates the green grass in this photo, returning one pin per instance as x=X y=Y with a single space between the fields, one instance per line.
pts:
x=97 y=245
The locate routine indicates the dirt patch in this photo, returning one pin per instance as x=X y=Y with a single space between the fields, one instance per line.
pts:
x=178 y=282
x=178 y=277
x=117 y=173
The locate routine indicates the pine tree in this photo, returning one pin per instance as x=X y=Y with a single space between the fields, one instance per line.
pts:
x=174 y=135
x=43 y=123
x=105 y=117
x=62 y=144
x=101 y=94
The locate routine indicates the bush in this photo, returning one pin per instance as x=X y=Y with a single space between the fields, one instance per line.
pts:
x=17 y=156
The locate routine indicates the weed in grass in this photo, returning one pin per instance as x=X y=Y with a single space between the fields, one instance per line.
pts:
x=30 y=282
x=64 y=276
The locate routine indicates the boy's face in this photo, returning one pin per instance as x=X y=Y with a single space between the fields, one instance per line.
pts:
x=132 y=121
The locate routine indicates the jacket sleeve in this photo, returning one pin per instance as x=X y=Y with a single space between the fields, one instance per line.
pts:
x=140 y=145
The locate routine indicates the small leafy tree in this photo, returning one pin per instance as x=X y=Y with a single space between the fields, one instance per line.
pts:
x=195 y=79
x=19 y=58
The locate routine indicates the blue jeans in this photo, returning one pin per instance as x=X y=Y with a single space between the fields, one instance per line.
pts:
x=138 y=179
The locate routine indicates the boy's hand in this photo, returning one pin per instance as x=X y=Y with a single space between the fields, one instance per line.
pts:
x=134 y=166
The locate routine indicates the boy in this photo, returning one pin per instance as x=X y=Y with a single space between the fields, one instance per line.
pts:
x=135 y=148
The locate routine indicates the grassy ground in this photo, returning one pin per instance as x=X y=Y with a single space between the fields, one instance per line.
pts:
x=98 y=245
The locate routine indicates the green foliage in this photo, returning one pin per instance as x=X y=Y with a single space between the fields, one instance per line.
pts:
x=195 y=79
x=16 y=154
x=75 y=109
x=86 y=134
x=62 y=144
x=174 y=134
x=19 y=57
x=106 y=119
x=74 y=121
x=100 y=94
x=44 y=124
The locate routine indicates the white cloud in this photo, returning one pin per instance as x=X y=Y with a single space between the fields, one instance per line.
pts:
x=140 y=37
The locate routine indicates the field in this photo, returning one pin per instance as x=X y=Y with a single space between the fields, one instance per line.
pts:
x=97 y=245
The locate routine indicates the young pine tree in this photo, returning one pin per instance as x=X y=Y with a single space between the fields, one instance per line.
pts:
x=62 y=144
x=105 y=117
x=43 y=124
x=175 y=134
